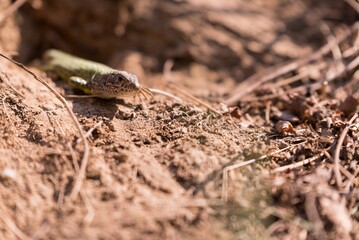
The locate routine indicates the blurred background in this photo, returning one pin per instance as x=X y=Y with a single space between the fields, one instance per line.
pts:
x=238 y=37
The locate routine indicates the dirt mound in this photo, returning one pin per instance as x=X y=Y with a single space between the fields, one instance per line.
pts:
x=279 y=161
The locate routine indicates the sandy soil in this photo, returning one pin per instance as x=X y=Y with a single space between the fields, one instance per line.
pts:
x=163 y=169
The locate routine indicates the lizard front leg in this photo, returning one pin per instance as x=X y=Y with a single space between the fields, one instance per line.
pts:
x=80 y=83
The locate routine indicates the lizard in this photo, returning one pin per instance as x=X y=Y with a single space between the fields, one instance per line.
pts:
x=93 y=78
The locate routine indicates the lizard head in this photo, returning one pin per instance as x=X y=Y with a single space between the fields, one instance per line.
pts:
x=115 y=84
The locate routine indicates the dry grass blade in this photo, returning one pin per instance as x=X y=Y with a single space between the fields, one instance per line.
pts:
x=167 y=67
x=5 y=79
x=144 y=92
x=296 y=165
x=12 y=226
x=157 y=91
x=353 y=64
x=81 y=173
x=313 y=86
x=336 y=159
x=311 y=210
x=8 y=116
x=167 y=72
x=258 y=79
x=267 y=112
x=354 y=4
x=343 y=170
x=193 y=98
x=10 y=10
x=89 y=132
x=90 y=209
x=224 y=195
x=290 y=80
x=71 y=149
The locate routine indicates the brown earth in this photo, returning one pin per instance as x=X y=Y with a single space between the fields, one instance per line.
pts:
x=163 y=169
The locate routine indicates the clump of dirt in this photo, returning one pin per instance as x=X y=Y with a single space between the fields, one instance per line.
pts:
x=146 y=161
x=279 y=161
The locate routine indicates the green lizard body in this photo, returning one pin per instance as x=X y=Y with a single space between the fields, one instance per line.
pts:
x=92 y=77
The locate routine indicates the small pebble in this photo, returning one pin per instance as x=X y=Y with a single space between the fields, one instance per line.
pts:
x=8 y=174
